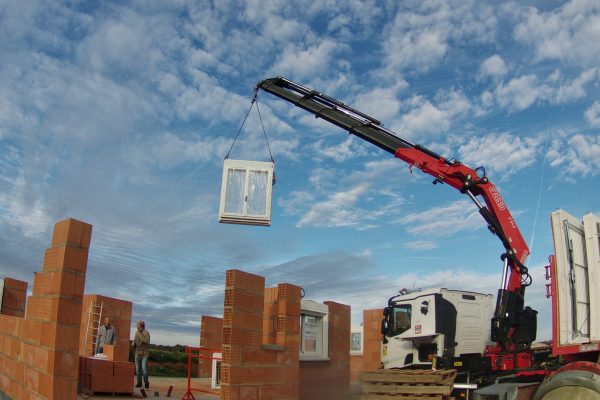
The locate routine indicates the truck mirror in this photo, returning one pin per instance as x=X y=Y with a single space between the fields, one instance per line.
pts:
x=385 y=326
x=386 y=311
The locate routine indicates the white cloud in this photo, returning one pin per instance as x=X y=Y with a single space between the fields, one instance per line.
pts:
x=500 y=153
x=493 y=67
x=570 y=32
x=422 y=33
x=574 y=89
x=519 y=93
x=337 y=211
x=592 y=114
x=306 y=63
x=420 y=245
x=444 y=220
x=348 y=149
x=576 y=155
x=427 y=118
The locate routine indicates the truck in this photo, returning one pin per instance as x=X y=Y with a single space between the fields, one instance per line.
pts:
x=442 y=329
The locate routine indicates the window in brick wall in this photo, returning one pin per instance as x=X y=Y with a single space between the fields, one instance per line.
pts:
x=246 y=189
x=314 y=319
x=356 y=340
x=1 y=291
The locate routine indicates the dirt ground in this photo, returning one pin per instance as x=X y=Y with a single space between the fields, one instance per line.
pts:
x=160 y=386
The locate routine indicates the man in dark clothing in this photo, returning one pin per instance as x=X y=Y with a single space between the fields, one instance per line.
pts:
x=106 y=335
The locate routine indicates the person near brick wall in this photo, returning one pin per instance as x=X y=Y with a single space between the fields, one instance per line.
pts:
x=106 y=335
x=141 y=348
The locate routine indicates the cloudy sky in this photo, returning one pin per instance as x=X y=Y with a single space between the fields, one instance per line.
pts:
x=120 y=115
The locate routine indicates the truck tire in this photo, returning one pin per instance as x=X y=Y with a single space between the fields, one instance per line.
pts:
x=579 y=381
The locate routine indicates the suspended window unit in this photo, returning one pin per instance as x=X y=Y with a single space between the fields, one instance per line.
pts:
x=246 y=190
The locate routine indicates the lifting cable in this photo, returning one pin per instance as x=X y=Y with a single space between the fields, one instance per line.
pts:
x=254 y=101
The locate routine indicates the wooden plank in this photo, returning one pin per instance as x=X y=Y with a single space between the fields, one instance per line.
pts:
x=410 y=376
x=406 y=389
x=398 y=397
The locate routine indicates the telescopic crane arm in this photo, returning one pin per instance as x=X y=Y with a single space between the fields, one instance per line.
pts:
x=511 y=326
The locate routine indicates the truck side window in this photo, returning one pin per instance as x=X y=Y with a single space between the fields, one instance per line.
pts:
x=402 y=315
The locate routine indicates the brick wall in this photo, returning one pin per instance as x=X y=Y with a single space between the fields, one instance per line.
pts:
x=119 y=312
x=38 y=353
x=372 y=339
x=371 y=358
x=14 y=297
x=252 y=369
x=330 y=380
x=261 y=344
x=211 y=337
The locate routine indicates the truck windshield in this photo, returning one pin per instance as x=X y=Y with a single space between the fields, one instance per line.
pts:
x=401 y=319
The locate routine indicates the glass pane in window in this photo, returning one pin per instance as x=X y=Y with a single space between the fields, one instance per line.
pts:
x=402 y=316
x=234 y=199
x=309 y=334
x=257 y=192
x=355 y=339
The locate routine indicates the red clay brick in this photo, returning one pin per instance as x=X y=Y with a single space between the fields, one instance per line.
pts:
x=244 y=280
x=286 y=291
x=73 y=233
x=66 y=258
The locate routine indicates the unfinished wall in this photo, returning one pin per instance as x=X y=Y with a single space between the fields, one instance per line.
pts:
x=39 y=353
x=14 y=297
x=261 y=344
x=211 y=337
x=372 y=339
x=119 y=312
x=370 y=359
x=251 y=369
x=330 y=379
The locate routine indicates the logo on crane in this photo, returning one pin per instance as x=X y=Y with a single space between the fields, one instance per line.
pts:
x=497 y=198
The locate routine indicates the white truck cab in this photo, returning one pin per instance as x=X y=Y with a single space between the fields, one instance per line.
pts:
x=419 y=326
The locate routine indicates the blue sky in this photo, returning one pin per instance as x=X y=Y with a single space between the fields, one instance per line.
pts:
x=120 y=115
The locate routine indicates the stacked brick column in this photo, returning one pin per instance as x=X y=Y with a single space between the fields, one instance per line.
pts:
x=330 y=379
x=211 y=337
x=372 y=339
x=251 y=369
x=38 y=354
x=14 y=297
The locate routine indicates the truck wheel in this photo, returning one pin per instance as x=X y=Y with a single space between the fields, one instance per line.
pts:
x=578 y=381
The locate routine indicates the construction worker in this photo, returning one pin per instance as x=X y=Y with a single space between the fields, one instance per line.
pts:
x=141 y=348
x=106 y=335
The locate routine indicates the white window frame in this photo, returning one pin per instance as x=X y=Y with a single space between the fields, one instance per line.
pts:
x=215 y=376
x=244 y=217
x=320 y=313
x=1 y=292
x=357 y=331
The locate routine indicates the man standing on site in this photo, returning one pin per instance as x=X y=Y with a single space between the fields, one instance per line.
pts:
x=106 y=335
x=141 y=348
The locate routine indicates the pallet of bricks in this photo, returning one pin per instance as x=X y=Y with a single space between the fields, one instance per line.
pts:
x=407 y=384
x=98 y=376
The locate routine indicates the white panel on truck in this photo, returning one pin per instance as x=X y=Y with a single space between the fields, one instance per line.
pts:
x=591 y=227
x=572 y=279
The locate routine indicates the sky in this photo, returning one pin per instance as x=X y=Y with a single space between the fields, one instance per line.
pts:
x=120 y=114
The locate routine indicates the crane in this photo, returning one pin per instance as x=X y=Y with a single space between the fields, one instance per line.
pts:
x=513 y=326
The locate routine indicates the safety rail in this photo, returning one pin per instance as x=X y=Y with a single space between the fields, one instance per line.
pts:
x=196 y=353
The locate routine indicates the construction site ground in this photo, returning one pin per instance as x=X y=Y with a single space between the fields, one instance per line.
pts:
x=161 y=385
x=158 y=390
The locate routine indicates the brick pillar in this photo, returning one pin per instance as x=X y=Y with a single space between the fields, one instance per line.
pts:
x=252 y=370
x=54 y=313
x=372 y=339
x=14 y=297
x=211 y=337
